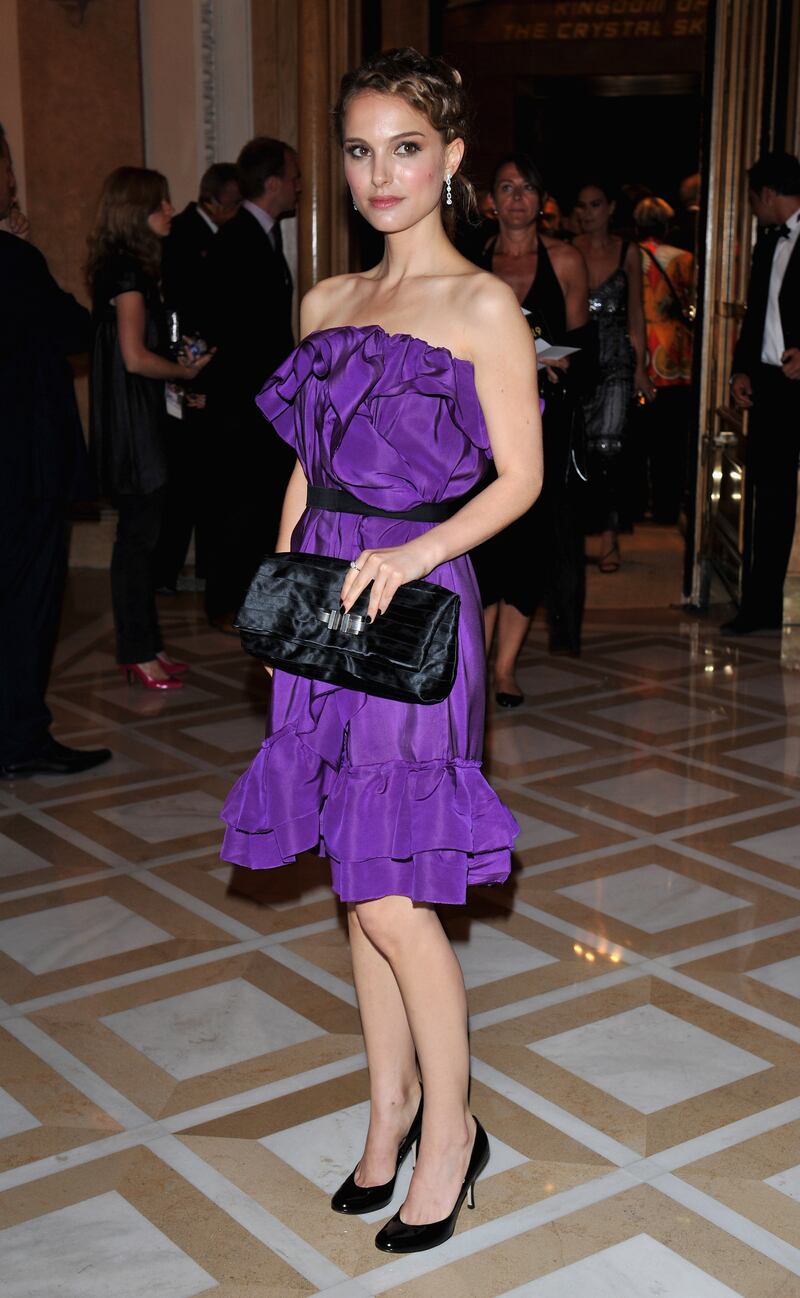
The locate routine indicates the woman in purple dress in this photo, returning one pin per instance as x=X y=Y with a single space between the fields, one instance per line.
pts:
x=410 y=377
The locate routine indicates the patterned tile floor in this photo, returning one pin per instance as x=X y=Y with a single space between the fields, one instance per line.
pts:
x=182 y=1081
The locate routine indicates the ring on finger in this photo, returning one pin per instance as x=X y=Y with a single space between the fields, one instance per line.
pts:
x=354 y=565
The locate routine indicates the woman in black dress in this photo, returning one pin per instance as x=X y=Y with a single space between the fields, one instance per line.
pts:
x=617 y=313
x=540 y=556
x=128 y=410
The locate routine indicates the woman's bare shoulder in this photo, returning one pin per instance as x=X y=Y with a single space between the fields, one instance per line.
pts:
x=482 y=295
x=328 y=302
x=489 y=310
x=560 y=251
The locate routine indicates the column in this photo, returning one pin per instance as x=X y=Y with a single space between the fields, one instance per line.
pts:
x=329 y=42
x=314 y=96
x=11 y=92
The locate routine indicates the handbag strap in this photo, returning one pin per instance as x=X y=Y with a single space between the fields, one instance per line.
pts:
x=687 y=319
x=342 y=502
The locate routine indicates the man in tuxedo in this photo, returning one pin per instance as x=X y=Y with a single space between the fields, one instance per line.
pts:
x=766 y=381
x=188 y=244
x=42 y=467
x=250 y=321
x=191 y=443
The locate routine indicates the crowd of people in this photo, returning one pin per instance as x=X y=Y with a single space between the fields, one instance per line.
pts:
x=610 y=288
x=191 y=312
x=410 y=379
x=181 y=447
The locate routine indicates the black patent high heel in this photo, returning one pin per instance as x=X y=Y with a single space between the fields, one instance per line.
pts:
x=398 y=1237
x=353 y=1198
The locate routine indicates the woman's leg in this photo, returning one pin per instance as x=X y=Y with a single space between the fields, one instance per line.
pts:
x=132 y=588
x=489 y=624
x=393 y=1082
x=512 y=628
x=430 y=983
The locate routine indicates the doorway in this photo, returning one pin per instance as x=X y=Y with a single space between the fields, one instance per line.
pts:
x=643 y=129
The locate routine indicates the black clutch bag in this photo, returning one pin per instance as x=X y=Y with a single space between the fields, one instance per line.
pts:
x=292 y=619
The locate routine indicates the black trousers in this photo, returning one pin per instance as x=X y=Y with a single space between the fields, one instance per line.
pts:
x=186 y=505
x=659 y=434
x=32 y=569
x=132 y=583
x=773 y=447
x=245 y=512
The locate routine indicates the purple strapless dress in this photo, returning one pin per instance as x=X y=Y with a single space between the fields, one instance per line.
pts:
x=392 y=793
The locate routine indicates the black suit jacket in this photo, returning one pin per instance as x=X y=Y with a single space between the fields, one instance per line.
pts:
x=42 y=450
x=184 y=268
x=747 y=355
x=249 y=315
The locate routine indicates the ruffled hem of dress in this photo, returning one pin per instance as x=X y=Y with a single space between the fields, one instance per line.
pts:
x=273 y=810
x=424 y=830
x=438 y=877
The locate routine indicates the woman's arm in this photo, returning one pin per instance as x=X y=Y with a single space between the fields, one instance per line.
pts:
x=633 y=268
x=574 y=280
x=294 y=500
x=138 y=359
x=504 y=358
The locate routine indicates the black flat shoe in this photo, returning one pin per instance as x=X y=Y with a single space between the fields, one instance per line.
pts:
x=398 y=1237
x=509 y=700
x=54 y=758
x=352 y=1198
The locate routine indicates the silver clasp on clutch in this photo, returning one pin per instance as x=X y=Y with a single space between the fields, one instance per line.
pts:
x=350 y=623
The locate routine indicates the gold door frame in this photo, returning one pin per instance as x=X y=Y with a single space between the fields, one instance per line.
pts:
x=735 y=102
x=743 y=118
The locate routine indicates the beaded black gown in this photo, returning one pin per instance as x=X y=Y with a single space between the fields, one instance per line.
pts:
x=607 y=409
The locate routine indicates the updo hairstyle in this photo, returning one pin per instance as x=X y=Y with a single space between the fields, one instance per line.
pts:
x=432 y=88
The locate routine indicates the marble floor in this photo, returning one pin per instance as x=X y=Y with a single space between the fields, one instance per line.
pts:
x=182 y=1082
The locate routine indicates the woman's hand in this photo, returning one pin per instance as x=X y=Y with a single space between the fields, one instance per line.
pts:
x=18 y=222
x=554 y=369
x=194 y=365
x=644 y=385
x=386 y=570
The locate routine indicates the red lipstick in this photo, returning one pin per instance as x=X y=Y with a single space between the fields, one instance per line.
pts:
x=385 y=202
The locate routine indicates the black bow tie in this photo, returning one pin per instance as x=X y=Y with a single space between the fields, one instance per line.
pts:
x=781 y=231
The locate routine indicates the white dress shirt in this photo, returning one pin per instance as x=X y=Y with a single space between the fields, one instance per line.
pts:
x=264 y=219
x=773 y=345
x=201 y=211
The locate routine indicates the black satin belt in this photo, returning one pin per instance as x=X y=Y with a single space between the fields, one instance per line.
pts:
x=342 y=502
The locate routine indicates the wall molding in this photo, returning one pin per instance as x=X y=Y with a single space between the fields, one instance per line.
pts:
x=207 y=64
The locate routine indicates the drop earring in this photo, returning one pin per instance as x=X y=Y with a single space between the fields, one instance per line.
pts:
x=448 y=190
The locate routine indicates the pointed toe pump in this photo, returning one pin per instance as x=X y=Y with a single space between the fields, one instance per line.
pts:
x=352 y=1198
x=398 y=1237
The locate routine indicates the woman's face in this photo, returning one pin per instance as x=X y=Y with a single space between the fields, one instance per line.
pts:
x=516 y=199
x=161 y=219
x=395 y=162
x=593 y=210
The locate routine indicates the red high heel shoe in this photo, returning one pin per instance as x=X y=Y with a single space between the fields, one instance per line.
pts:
x=136 y=673
x=171 y=667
